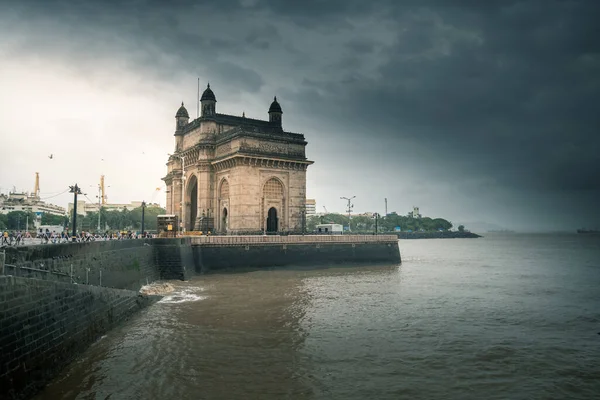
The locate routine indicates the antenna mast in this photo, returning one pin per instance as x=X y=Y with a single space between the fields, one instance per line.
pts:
x=386 y=206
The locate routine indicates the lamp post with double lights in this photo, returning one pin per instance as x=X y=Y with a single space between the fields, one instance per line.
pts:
x=75 y=190
x=349 y=210
x=143 y=218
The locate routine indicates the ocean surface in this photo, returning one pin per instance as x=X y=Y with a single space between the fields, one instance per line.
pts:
x=508 y=316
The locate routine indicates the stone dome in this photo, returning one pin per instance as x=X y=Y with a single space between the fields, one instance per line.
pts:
x=182 y=112
x=275 y=107
x=208 y=94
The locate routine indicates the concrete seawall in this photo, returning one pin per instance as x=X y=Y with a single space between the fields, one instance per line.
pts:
x=45 y=324
x=129 y=264
x=120 y=264
x=230 y=252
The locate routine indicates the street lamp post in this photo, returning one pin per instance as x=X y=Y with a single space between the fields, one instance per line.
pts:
x=350 y=207
x=143 y=216
x=99 y=206
x=75 y=190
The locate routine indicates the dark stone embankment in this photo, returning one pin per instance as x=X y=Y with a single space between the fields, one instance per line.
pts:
x=120 y=264
x=45 y=324
x=215 y=254
x=216 y=258
x=62 y=297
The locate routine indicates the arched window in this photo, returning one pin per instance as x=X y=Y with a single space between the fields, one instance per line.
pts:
x=224 y=192
x=273 y=189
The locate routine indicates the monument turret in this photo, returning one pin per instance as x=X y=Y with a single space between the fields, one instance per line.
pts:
x=275 y=113
x=208 y=103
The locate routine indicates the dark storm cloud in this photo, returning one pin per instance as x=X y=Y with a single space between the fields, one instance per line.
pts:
x=518 y=84
x=498 y=91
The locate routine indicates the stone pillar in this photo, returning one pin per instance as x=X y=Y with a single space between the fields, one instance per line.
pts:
x=297 y=198
x=169 y=197
x=176 y=191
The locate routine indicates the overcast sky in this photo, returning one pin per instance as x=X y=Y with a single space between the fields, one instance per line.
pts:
x=471 y=110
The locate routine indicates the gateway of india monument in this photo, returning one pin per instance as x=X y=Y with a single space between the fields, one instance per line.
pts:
x=235 y=174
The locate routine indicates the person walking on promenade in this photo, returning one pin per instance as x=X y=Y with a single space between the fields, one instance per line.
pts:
x=5 y=238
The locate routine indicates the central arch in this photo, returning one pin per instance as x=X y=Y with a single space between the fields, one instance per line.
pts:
x=224 y=206
x=193 y=193
x=224 y=220
x=273 y=201
x=272 y=220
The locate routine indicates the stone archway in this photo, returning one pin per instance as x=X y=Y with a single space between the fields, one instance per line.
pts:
x=223 y=206
x=272 y=220
x=274 y=210
x=224 y=220
x=193 y=202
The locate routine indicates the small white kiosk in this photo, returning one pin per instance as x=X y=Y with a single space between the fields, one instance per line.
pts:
x=330 y=229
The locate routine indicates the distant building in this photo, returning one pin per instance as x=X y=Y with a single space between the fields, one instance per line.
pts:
x=84 y=208
x=331 y=229
x=311 y=207
x=29 y=203
x=414 y=213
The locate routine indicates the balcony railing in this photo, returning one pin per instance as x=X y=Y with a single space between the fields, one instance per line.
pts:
x=293 y=239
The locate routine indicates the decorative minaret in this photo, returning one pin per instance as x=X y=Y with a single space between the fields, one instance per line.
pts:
x=181 y=120
x=275 y=113
x=208 y=103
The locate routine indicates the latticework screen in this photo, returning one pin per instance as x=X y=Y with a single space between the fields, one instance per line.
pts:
x=273 y=189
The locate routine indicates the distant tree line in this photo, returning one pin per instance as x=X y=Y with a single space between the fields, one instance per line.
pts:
x=109 y=220
x=121 y=220
x=384 y=223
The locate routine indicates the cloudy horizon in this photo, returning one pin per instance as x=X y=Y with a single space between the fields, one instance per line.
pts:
x=481 y=112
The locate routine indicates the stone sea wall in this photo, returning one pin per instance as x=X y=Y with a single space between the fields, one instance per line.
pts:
x=211 y=258
x=173 y=258
x=121 y=264
x=45 y=323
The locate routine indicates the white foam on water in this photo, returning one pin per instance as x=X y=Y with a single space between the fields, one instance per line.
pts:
x=186 y=295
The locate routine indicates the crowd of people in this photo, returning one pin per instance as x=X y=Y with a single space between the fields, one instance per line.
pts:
x=17 y=238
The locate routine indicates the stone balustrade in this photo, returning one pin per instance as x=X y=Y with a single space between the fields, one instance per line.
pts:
x=291 y=239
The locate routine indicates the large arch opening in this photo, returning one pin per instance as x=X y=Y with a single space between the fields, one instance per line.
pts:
x=224 y=204
x=274 y=205
x=224 y=218
x=193 y=212
x=272 y=220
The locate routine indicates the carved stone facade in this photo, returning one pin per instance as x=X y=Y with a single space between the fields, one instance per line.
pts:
x=236 y=174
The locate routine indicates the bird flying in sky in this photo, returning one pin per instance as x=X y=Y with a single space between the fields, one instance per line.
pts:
x=51 y=156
